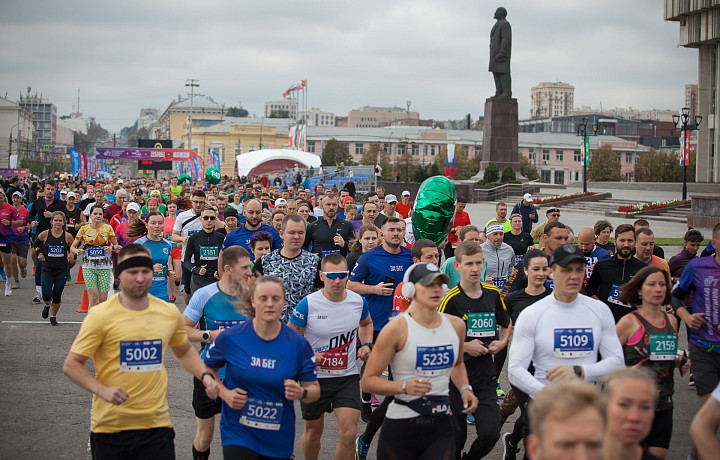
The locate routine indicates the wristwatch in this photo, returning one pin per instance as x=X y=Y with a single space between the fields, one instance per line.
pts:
x=578 y=371
x=466 y=387
x=368 y=344
x=206 y=337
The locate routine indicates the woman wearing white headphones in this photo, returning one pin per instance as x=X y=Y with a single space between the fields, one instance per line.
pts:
x=424 y=349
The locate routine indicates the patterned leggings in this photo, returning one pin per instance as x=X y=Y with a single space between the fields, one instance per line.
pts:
x=97 y=278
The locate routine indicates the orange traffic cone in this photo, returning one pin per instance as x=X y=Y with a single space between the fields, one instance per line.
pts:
x=80 y=279
x=84 y=302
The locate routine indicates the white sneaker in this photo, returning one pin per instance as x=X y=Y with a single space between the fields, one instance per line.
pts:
x=8 y=289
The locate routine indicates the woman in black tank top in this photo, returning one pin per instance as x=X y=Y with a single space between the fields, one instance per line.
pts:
x=52 y=249
x=649 y=339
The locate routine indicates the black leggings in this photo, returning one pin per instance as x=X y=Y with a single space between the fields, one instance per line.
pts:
x=418 y=438
x=243 y=453
x=522 y=427
x=376 y=421
x=487 y=421
x=499 y=360
x=52 y=286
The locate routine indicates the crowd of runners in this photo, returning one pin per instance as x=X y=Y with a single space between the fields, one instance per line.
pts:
x=299 y=292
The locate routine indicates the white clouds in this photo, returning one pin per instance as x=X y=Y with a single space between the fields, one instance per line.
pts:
x=134 y=54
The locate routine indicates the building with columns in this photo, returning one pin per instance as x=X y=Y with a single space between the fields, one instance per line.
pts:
x=551 y=99
x=698 y=21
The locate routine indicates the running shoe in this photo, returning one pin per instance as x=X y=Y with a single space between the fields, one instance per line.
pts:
x=691 y=383
x=46 y=311
x=374 y=401
x=361 y=449
x=499 y=391
x=37 y=299
x=366 y=412
x=16 y=285
x=173 y=299
x=509 y=452
x=69 y=277
x=8 y=288
x=470 y=419
x=53 y=321
x=2 y=273
x=177 y=283
x=23 y=272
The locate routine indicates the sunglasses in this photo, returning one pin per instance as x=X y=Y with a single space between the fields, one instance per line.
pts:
x=209 y=217
x=198 y=202
x=336 y=275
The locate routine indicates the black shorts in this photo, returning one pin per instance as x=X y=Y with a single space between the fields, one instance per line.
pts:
x=20 y=249
x=418 y=437
x=6 y=247
x=334 y=392
x=661 y=430
x=705 y=369
x=243 y=453
x=204 y=406
x=154 y=443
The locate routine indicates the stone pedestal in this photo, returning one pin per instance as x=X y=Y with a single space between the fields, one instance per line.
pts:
x=500 y=135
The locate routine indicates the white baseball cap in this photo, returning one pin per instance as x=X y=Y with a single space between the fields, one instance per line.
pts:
x=390 y=198
x=280 y=202
x=70 y=194
x=133 y=207
x=527 y=197
x=119 y=181
x=405 y=193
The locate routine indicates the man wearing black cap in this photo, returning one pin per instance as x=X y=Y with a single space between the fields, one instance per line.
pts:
x=553 y=215
x=563 y=333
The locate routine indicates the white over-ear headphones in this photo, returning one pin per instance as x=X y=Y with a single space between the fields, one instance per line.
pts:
x=408 y=287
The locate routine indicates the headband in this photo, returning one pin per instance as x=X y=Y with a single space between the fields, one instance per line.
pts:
x=132 y=262
x=494 y=228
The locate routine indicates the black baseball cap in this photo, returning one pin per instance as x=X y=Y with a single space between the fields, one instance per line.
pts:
x=557 y=210
x=425 y=273
x=566 y=254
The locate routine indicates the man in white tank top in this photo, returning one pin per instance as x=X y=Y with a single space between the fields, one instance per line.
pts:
x=423 y=347
x=329 y=320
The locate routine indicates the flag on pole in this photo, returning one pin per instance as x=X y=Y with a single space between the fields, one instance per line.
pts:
x=195 y=168
x=684 y=149
x=216 y=160
x=450 y=162
x=290 y=90
x=75 y=162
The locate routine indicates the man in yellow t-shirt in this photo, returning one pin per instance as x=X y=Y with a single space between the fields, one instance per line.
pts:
x=127 y=336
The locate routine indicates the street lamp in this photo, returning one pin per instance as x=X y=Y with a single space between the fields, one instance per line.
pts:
x=582 y=131
x=685 y=141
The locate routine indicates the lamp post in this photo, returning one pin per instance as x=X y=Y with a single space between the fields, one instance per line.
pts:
x=582 y=131
x=192 y=83
x=684 y=117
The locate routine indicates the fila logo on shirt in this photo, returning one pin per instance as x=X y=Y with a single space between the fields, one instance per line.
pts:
x=264 y=363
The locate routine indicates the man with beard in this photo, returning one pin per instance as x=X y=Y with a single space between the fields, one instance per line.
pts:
x=330 y=234
x=609 y=274
x=252 y=210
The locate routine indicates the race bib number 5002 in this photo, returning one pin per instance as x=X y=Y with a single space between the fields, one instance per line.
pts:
x=141 y=355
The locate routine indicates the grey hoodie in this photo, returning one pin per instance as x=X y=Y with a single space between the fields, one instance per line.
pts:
x=500 y=261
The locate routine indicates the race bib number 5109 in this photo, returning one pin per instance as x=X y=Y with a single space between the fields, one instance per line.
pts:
x=573 y=343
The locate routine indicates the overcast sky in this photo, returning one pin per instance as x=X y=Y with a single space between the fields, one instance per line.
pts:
x=133 y=54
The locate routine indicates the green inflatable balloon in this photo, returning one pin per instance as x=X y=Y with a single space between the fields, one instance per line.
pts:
x=182 y=178
x=434 y=210
x=212 y=175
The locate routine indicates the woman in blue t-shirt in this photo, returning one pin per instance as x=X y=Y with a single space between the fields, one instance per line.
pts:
x=265 y=360
x=159 y=249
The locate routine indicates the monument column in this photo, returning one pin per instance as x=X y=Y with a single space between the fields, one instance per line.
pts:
x=500 y=134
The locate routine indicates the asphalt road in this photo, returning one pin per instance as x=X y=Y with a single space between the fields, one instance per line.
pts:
x=48 y=417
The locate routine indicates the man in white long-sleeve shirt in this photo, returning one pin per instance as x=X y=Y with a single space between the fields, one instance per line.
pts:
x=563 y=333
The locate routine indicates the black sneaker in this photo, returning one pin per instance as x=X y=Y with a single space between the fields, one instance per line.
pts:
x=509 y=452
x=366 y=412
x=53 y=321
x=37 y=298
x=46 y=311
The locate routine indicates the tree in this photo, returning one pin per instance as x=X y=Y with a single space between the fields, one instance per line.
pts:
x=508 y=174
x=336 y=152
x=279 y=114
x=604 y=165
x=466 y=167
x=236 y=112
x=528 y=169
x=370 y=157
x=407 y=164
x=654 y=166
x=492 y=174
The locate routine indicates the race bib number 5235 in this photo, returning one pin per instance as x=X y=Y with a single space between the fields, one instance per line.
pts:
x=433 y=360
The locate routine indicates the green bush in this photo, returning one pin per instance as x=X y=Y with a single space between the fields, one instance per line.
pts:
x=508 y=174
x=492 y=174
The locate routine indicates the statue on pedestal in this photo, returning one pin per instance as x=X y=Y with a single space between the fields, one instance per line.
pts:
x=500 y=45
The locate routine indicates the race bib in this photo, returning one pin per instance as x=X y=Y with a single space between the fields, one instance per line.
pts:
x=168 y=236
x=141 y=355
x=192 y=232
x=550 y=283
x=209 y=252
x=614 y=296
x=56 y=251
x=433 y=360
x=263 y=415
x=573 y=343
x=481 y=324
x=663 y=347
x=95 y=252
x=519 y=258
x=329 y=251
x=161 y=275
x=71 y=222
x=225 y=324
x=333 y=363
x=500 y=282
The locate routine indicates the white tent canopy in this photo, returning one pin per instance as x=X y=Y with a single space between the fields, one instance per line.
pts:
x=248 y=161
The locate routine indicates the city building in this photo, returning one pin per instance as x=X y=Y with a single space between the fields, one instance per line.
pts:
x=376 y=117
x=698 y=29
x=45 y=120
x=232 y=136
x=691 y=99
x=286 y=104
x=555 y=155
x=173 y=122
x=630 y=113
x=74 y=122
x=317 y=117
x=17 y=131
x=550 y=99
x=147 y=118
